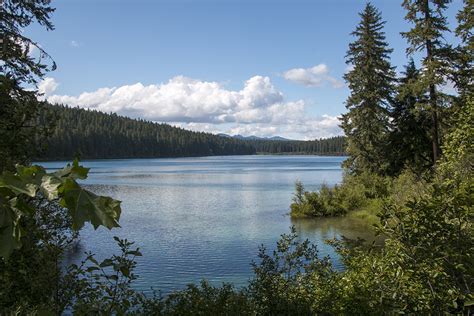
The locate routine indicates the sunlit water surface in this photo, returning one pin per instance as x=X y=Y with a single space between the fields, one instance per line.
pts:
x=196 y=218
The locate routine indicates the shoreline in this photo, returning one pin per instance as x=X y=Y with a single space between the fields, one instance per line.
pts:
x=65 y=159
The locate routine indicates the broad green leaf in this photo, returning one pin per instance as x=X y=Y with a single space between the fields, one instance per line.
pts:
x=21 y=207
x=50 y=186
x=84 y=205
x=17 y=184
x=125 y=271
x=8 y=240
x=30 y=173
x=74 y=171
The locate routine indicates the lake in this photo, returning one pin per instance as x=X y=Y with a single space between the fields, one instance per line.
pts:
x=196 y=218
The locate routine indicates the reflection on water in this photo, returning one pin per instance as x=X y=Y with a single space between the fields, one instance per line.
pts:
x=333 y=227
x=319 y=230
x=197 y=218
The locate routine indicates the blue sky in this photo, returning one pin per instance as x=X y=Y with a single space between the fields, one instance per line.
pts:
x=250 y=67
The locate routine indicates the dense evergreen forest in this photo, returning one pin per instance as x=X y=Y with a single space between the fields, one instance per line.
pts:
x=410 y=167
x=324 y=146
x=91 y=134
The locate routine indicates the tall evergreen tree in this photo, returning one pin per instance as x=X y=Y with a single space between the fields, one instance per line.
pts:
x=426 y=36
x=19 y=109
x=20 y=135
x=463 y=72
x=15 y=47
x=409 y=140
x=371 y=82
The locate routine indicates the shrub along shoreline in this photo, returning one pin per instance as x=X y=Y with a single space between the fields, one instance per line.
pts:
x=360 y=196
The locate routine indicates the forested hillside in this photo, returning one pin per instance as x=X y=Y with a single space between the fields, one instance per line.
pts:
x=93 y=134
x=324 y=146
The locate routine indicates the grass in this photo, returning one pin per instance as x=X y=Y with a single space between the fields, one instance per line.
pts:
x=368 y=213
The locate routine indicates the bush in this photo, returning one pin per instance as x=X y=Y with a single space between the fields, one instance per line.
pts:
x=354 y=193
x=201 y=300
x=292 y=280
x=32 y=276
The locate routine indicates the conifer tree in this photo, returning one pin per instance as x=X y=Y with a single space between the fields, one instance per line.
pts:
x=19 y=108
x=426 y=36
x=463 y=72
x=371 y=82
x=15 y=48
x=409 y=141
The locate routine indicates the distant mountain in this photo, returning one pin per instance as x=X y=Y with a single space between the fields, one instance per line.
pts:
x=252 y=137
x=278 y=138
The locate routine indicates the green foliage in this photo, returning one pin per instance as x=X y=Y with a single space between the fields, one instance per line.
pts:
x=326 y=202
x=369 y=212
x=104 y=288
x=410 y=144
x=462 y=57
x=426 y=35
x=372 y=185
x=15 y=47
x=371 y=82
x=383 y=282
x=459 y=147
x=434 y=231
x=309 y=204
x=436 y=236
x=31 y=278
x=324 y=146
x=298 y=196
x=428 y=21
x=20 y=135
x=357 y=192
x=406 y=187
x=426 y=265
x=404 y=276
x=27 y=184
x=292 y=280
x=202 y=300
x=95 y=134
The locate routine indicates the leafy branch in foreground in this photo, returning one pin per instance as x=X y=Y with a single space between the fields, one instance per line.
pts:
x=20 y=189
x=105 y=287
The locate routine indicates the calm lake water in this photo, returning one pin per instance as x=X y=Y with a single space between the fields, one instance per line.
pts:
x=196 y=218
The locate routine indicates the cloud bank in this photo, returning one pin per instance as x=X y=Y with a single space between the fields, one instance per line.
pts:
x=257 y=109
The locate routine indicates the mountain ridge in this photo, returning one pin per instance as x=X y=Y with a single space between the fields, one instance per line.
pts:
x=253 y=137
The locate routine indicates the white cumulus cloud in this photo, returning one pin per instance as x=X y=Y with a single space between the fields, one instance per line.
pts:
x=47 y=86
x=256 y=109
x=315 y=76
